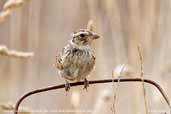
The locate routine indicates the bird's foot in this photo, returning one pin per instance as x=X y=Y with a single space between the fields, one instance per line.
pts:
x=67 y=86
x=86 y=84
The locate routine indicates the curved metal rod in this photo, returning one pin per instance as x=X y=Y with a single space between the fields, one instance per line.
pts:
x=92 y=82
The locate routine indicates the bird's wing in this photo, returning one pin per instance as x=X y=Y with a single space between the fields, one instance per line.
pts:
x=63 y=59
x=58 y=63
x=92 y=62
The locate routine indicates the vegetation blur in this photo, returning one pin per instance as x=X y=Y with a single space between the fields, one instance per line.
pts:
x=135 y=42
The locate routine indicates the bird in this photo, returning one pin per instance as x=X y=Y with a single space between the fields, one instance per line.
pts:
x=76 y=60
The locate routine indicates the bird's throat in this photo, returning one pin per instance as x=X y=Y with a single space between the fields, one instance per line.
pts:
x=82 y=47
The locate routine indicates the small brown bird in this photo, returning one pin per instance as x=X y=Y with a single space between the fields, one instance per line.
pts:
x=76 y=60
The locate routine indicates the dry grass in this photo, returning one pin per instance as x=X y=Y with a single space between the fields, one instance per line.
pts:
x=8 y=8
x=123 y=24
x=4 y=51
x=90 y=25
x=115 y=89
x=142 y=76
x=10 y=107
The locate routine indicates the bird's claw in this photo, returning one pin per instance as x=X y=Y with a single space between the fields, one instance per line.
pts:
x=86 y=84
x=67 y=86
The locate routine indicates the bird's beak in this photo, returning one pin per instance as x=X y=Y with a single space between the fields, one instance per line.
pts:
x=95 y=36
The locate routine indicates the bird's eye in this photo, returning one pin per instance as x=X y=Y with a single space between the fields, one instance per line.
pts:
x=82 y=35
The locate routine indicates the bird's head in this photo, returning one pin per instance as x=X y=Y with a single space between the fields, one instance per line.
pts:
x=83 y=37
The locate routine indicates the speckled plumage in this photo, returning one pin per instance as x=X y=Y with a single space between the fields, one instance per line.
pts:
x=75 y=64
x=76 y=60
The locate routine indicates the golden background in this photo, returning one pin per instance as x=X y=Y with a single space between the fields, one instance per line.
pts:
x=44 y=27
